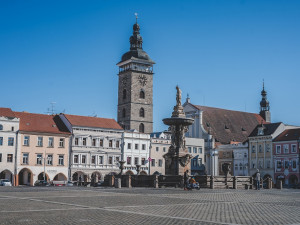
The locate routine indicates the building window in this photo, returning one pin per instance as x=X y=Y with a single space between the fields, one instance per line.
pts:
x=136 y=146
x=259 y=148
x=60 y=160
x=123 y=112
x=25 y=158
x=200 y=150
x=128 y=160
x=241 y=166
x=1 y=127
x=143 y=161
x=39 y=159
x=83 y=159
x=84 y=141
x=236 y=167
x=286 y=164
x=117 y=159
x=0 y=157
x=124 y=94
x=110 y=160
x=278 y=165
x=286 y=148
x=153 y=162
x=76 y=159
x=40 y=142
x=164 y=149
x=157 y=149
x=278 y=149
x=194 y=162
x=245 y=155
x=268 y=148
x=94 y=141
x=1 y=140
x=10 y=141
x=294 y=148
x=61 y=142
x=117 y=144
x=160 y=162
x=129 y=145
x=110 y=143
x=101 y=142
x=136 y=161
x=12 y=129
x=93 y=160
x=142 y=112
x=294 y=164
x=77 y=141
x=268 y=164
x=100 y=159
x=200 y=161
x=260 y=165
x=190 y=149
x=141 y=128
x=51 y=142
x=195 y=150
x=253 y=149
x=9 y=157
x=142 y=94
x=26 y=141
x=49 y=159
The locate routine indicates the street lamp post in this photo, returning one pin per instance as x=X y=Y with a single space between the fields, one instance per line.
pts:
x=45 y=167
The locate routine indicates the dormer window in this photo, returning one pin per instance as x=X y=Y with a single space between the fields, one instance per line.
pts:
x=260 y=131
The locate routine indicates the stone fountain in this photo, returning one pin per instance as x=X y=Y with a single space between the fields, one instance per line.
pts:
x=177 y=160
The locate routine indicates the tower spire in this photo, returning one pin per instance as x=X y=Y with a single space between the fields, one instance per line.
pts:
x=265 y=105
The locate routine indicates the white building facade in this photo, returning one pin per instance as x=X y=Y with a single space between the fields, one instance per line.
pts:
x=136 y=151
x=9 y=125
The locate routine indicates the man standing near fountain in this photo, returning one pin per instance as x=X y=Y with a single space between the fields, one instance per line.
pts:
x=177 y=159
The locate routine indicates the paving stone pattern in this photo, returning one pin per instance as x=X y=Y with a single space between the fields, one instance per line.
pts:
x=78 y=205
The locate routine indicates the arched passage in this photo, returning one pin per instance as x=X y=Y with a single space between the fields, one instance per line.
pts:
x=25 y=177
x=79 y=176
x=42 y=177
x=129 y=172
x=6 y=174
x=60 y=177
x=96 y=177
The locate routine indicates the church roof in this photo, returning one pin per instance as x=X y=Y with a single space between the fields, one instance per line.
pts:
x=7 y=112
x=288 y=135
x=87 y=121
x=228 y=126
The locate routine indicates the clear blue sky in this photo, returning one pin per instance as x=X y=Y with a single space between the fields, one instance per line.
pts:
x=217 y=51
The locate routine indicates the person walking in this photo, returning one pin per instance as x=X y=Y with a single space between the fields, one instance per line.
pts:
x=257 y=178
x=186 y=179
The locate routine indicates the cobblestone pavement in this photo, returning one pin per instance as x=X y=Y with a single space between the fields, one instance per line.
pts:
x=76 y=205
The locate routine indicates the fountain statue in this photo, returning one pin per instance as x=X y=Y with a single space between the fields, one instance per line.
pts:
x=177 y=160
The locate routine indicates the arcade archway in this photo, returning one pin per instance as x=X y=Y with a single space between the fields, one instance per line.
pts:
x=25 y=177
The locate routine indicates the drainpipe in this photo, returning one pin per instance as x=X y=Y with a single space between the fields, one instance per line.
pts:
x=16 y=161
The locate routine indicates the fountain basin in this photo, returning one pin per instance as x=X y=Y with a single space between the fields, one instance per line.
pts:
x=178 y=121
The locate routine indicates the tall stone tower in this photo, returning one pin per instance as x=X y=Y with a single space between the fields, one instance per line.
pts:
x=135 y=93
x=265 y=106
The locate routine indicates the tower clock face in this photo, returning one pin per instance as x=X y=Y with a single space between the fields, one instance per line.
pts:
x=143 y=80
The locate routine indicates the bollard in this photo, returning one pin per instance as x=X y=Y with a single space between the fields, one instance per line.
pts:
x=117 y=182
x=128 y=181
x=155 y=181
x=271 y=183
x=251 y=183
x=211 y=182
x=234 y=182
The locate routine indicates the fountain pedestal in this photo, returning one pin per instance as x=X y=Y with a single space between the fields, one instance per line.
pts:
x=177 y=160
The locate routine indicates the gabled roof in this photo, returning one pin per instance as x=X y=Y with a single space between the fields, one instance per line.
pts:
x=269 y=129
x=228 y=125
x=87 y=121
x=41 y=123
x=7 y=112
x=288 y=135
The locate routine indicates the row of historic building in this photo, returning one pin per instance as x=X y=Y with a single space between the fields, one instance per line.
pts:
x=79 y=148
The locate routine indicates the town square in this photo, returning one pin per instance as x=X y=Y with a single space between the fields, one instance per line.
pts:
x=153 y=112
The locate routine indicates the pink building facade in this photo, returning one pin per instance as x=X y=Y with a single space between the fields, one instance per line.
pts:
x=286 y=157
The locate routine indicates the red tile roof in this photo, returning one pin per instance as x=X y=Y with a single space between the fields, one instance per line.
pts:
x=228 y=125
x=288 y=135
x=86 y=121
x=7 y=112
x=42 y=123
